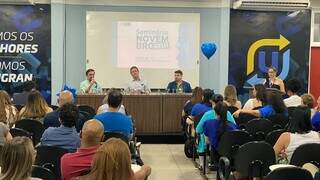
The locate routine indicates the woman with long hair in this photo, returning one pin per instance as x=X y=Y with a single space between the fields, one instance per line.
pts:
x=230 y=96
x=113 y=162
x=196 y=97
x=8 y=113
x=36 y=107
x=17 y=158
x=259 y=97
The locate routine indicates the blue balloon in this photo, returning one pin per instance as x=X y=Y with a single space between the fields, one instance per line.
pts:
x=208 y=49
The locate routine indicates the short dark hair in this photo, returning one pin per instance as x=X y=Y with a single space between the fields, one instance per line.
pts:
x=134 y=67
x=217 y=98
x=28 y=86
x=207 y=94
x=68 y=114
x=293 y=85
x=178 y=72
x=300 y=120
x=88 y=71
x=114 y=98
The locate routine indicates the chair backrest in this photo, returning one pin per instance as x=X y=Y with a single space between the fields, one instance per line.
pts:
x=108 y=135
x=33 y=126
x=42 y=173
x=52 y=155
x=20 y=132
x=279 y=119
x=230 y=141
x=295 y=173
x=244 y=118
x=254 y=158
x=259 y=128
x=306 y=153
x=88 y=109
x=232 y=109
x=273 y=136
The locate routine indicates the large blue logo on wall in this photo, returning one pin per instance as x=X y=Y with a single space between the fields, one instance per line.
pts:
x=25 y=47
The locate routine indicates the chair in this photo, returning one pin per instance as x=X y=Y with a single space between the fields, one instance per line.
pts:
x=258 y=128
x=273 y=136
x=20 y=132
x=51 y=155
x=244 y=119
x=54 y=107
x=284 y=173
x=306 y=153
x=88 y=109
x=34 y=127
x=42 y=173
x=279 y=120
x=108 y=135
x=254 y=158
x=19 y=106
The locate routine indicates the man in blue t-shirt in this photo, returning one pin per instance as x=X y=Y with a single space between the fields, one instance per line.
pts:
x=113 y=121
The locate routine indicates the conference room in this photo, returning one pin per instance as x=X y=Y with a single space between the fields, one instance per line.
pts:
x=159 y=89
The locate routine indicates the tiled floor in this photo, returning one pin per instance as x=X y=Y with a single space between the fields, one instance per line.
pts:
x=168 y=162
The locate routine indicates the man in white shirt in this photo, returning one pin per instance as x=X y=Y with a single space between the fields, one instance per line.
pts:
x=137 y=85
x=293 y=86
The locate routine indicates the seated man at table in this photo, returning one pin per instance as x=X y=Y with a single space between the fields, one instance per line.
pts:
x=90 y=85
x=137 y=85
x=114 y=121
x=178 y=85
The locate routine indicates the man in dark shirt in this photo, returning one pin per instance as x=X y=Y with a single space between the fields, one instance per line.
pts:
x=21 y=98
x=178 y=85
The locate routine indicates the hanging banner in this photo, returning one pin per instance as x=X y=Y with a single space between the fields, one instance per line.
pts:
x=259 y=40
x=25 y=47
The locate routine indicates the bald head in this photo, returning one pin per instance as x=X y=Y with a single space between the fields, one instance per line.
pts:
x=91 y=133
x=65 y=97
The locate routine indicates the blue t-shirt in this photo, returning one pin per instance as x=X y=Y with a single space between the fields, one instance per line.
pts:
x=200 y=108
x=115 y=122
x=316 y=121
x=211 y=129
x=267 y=111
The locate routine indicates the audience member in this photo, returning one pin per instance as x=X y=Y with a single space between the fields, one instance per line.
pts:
x=36 y=107
x=179 y=85
x=66 y=135
x=307 y=100
x=273 y=82
x=8 y=113
x=73 y=164
x=230 y=97
x=275 y=105
x=90 y=85
x=17 y=158
x=5 y=134
x=293 y=86
x=204 y=106
x=259 y=97
x=113 y=120
x=137 y=85
x=105 y=107
x=113 y=162
x=299 y=133
x=196 y=97
x=52 y=119
x=22 y=98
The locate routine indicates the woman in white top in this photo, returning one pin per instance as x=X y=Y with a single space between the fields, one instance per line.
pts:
x=230 y=96
x=8 y=113
x=259 y=94
x=299 y=133
x=273 y=82
x=105 y=107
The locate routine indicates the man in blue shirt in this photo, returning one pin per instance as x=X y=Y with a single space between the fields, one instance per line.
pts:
x=178 y=85
x=113 y=121
x=66 y=135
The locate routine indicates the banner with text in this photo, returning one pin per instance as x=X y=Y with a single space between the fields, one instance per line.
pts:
x=25 y=47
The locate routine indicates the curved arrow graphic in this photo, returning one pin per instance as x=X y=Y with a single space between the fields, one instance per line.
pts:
x=285 y=66
x=282 y=42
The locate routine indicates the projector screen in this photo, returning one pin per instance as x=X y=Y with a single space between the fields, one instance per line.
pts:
x=158 y=43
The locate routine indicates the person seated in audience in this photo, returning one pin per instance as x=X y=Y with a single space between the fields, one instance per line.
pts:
x=196 y=97
x=36 y=107
x=5 y=134
x=307 y=100
x=293 y=86
x=22 y=98
x=90 y=85
x=16 y=160
x=259 y=97
x=273 y=82
x=137 y=85
x=105 y=107
x=230 y=97
x=113 y=120
x=66 y=135
x=8 y=113
x=179 y=85
x=113 y=162
x=209 y=115
x=299 y=132
x=275 y=105
x=52 y=119
x=73 y=164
